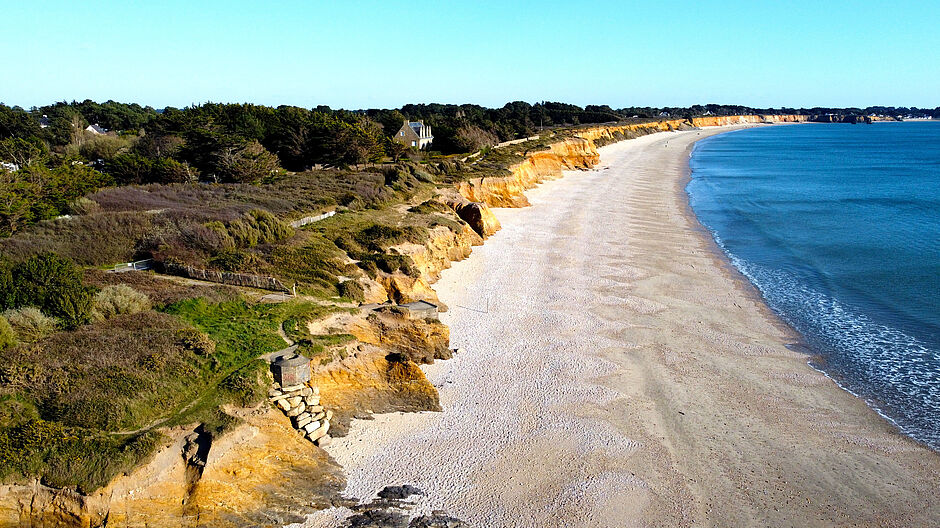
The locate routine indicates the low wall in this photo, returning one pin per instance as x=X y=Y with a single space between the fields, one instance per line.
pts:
x=311 y=219
x=226 y=277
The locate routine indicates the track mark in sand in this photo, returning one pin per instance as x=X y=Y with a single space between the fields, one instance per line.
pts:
x=614 y=311
x=618 y=265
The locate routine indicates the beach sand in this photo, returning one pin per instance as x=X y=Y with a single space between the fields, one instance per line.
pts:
x=616 y=371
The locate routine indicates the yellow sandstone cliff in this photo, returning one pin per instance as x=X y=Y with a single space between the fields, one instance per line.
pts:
x=580 y=152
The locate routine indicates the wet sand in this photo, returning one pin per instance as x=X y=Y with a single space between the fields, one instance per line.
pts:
x=617 y=372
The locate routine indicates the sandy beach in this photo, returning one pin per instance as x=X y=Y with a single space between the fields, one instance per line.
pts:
x=616 y=371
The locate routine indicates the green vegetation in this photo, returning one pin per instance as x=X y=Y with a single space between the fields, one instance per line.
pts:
x=7 y=334
x=70 y=456
x=78 y=407
x=29 y=324
x=116 y=300
x=50 y=283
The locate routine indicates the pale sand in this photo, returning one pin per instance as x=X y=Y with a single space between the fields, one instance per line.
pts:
x=623 y=375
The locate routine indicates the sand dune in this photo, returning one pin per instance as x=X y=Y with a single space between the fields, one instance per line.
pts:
x=617 y=372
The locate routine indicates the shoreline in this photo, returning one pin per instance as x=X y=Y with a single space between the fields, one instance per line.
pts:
x=800 y=344
x=613 y=429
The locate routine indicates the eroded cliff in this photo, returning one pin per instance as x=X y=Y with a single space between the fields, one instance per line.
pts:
x=258 y=474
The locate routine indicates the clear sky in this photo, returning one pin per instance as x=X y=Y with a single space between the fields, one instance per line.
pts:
x=349 y=54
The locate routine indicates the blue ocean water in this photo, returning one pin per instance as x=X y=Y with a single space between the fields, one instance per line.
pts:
x=838 y=226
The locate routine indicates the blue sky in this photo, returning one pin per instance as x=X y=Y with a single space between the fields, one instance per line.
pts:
x=384 y=54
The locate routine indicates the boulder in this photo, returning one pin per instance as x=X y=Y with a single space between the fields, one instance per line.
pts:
x=314 y=409
x=312 y=426
x=319 y=433
x=294 y=401
x=329 y=415
x=283 y=405
x=296 y=410
x=306 y=391
x=312 y=400
x=319 y=416
x=293 y=388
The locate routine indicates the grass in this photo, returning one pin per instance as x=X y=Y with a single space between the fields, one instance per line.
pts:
x=79 y=407
x=295 y=327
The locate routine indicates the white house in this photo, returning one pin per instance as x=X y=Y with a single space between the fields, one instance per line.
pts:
x=96 y=129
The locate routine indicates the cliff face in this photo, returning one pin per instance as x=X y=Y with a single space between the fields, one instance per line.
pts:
x=442 y=247
x=372 y=380
x=581 y=153
x=258 y=474
x=507 y=191
x=477 y=215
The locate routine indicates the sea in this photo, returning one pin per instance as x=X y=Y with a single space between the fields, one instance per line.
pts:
x=838 y=226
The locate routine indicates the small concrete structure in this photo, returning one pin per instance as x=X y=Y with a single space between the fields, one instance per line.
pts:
x=421 y=310
x=291 y=370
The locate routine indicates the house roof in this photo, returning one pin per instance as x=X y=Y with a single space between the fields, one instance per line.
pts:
x=417 y=127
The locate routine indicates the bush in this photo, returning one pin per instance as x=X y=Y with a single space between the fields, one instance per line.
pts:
x=248 y=163
x=196 y=341
x=54 y=285
x=104 y=147
x=7 y=336
x=30 y=324
x=351 y=289
x=247 y=385
x=84 y=206
x=118 y=300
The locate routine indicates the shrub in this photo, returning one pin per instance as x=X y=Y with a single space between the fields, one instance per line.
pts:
x=118 y=300
x=30 y=324
x=196 y=341
x=470 y=138
x=351 y=289
x=247 y=385
x=7 y=336
x=248 y=163
x=84 y=206
x=54 y=285
x=229 y=260
x=104 y=147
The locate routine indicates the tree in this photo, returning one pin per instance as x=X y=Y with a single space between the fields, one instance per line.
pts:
x=23 y=152
x=470 y=138
x=247 y=163
x=15 y=122
x=130 y=168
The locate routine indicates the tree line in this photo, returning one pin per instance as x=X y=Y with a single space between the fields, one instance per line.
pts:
x=49 y=159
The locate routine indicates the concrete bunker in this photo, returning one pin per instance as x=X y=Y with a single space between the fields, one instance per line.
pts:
x=291 y=370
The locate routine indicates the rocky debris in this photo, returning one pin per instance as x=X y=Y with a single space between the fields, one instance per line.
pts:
x=393 y=510
x=302 y=404
x=400 y=492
